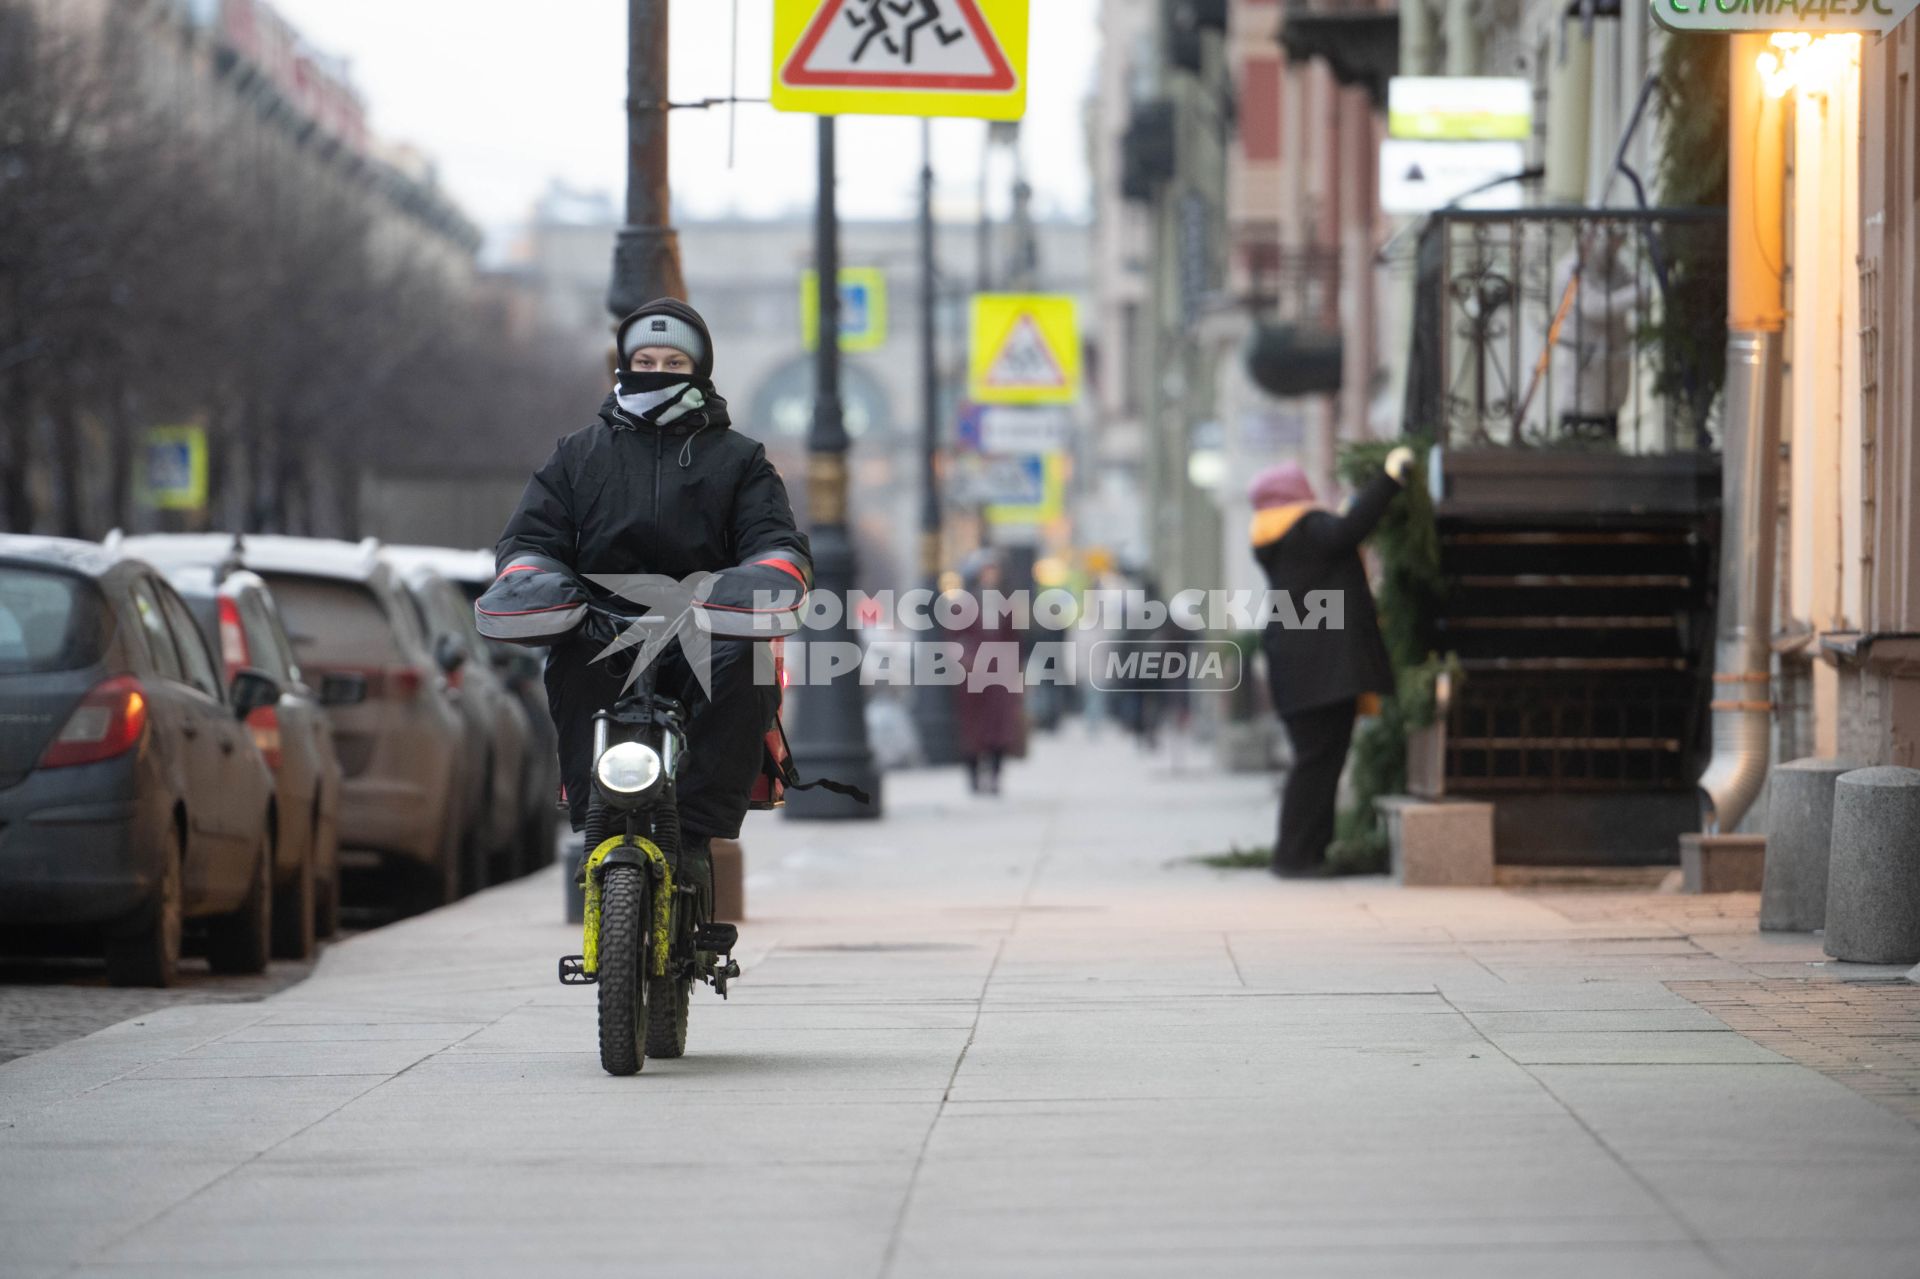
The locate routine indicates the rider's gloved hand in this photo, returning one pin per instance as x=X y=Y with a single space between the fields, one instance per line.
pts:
x=599 y=629
x=1399 y=463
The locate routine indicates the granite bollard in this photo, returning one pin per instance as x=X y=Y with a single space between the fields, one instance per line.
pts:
x=1793 y=893
x=1873 y=880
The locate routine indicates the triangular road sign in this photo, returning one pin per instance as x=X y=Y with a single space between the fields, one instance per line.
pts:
x=1025 y=361
x=940 y=45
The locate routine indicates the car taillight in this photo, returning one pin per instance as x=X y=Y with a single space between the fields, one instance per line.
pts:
x=107 y=722
x=233 y=637
x=264 y=724
x=402 y=683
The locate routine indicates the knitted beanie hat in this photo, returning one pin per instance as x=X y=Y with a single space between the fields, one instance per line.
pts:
x=659 y=329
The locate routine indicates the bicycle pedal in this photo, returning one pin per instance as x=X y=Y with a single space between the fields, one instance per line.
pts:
x=718 y=938
x=573 y=971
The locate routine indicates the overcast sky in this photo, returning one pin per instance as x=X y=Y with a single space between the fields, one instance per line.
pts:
x=504 y=100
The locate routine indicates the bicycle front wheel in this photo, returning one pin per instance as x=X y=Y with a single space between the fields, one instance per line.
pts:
x=667 y=1000
x=623 y=983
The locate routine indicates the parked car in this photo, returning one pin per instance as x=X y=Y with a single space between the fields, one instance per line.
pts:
x=496 y=727
x=236 y=614
x=132 y=798
x=522 y=669
x=404 y=805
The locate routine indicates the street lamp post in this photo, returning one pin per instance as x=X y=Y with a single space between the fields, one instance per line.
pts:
x=646 y=256
x=933 y=703
x=830 y=728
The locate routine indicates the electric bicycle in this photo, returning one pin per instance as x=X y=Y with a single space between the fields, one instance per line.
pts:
x=649 y=933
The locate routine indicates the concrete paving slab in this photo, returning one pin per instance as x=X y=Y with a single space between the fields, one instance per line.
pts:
x=216 y=1117
x=1633 y=1047
x=1837 y=1257
x=1592 y=1260
x=1751 y=1200
x=1595 y=1021
x=1730 y=1112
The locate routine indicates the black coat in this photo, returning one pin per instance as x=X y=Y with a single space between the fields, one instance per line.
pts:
x=626 y=496
x=1320 y=551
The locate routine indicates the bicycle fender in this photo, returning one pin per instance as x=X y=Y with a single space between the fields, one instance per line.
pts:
x=640 y=853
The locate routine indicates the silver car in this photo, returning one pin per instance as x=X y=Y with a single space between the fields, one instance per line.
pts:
x=496 y=728
x=520 y=669
x=237 y=616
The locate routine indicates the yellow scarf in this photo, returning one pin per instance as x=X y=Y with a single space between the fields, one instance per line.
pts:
x=1273 y=523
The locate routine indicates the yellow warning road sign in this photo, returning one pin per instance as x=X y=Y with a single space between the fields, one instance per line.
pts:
x=901 y=57
x=1025 y=349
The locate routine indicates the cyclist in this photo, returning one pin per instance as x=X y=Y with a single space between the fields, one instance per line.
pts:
x=659 y=484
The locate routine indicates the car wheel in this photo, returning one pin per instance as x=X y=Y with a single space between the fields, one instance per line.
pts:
x=241 y=943
x=542 y=830
x=476 y=856
x=428 y=887
x=293 y=909
x=149 y=954
x=326 y=902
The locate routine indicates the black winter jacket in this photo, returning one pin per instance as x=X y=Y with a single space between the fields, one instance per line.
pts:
x=626 y=496
x=1320 y=551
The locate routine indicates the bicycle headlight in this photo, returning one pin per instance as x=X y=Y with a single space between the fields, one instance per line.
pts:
x=628 y=768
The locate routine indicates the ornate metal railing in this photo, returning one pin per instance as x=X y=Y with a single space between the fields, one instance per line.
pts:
x=1569 y=327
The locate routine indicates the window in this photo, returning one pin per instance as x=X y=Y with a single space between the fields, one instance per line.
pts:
x=146 y=604
x=263 y=644
x=334 y=623
x=48 y=622
x=281 y=644
x=195 y=661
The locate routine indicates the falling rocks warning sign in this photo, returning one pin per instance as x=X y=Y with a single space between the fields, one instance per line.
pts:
x=901 y=57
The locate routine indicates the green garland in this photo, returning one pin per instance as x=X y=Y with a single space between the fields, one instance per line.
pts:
x=1688 y=334
x=1410 y=590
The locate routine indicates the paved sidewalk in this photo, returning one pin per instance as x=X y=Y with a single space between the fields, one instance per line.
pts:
x=978 y=1039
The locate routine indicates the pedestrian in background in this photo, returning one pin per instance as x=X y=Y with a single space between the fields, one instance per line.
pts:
x=1318 y=677
x=989 y=716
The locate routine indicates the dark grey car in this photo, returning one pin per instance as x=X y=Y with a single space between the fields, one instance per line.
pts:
x=132 y=798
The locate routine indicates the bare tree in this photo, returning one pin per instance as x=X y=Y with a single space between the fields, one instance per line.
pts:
x=152 y=274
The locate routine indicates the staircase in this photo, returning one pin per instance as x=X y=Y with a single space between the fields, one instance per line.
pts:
x=1580 y=602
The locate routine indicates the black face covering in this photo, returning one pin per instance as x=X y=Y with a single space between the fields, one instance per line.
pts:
x=649 y=395
x=633 y=383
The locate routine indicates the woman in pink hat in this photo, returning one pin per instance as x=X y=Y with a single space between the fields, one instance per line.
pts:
x=1319 y=673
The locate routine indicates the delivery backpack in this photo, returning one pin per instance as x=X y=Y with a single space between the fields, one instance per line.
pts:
x=777 y=773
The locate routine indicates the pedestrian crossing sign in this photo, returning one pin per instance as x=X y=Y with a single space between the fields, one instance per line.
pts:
x=863 y=308
x=901 y=57
x=1025 y=349
x=1026 y=488
x=172 y=472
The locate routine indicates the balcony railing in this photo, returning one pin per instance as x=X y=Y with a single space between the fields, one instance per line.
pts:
x=1569 y=327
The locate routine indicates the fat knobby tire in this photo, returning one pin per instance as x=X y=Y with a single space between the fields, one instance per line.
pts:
x=667 y=1000
x=622 y=988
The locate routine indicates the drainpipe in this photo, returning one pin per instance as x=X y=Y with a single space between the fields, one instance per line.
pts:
x=1756 y=315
